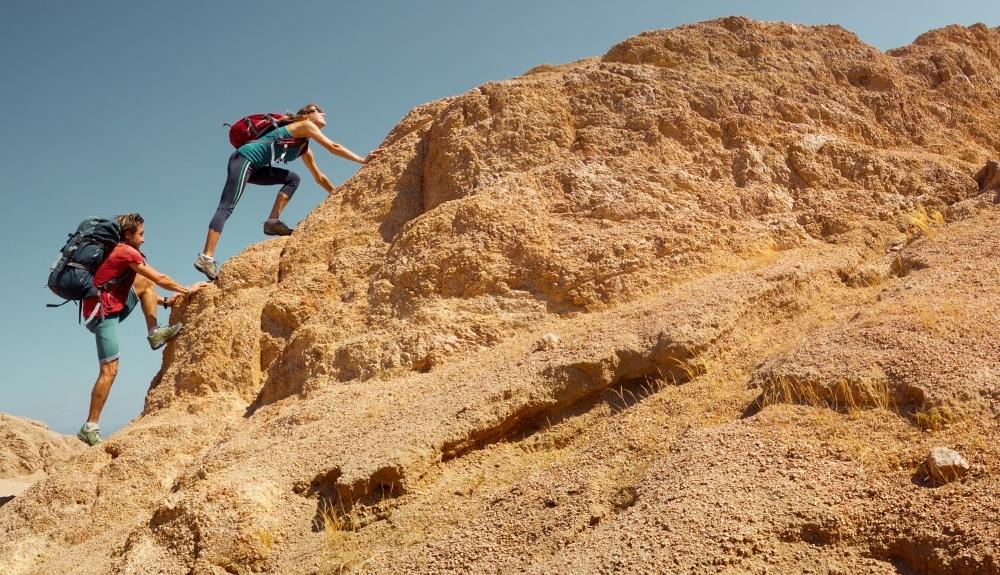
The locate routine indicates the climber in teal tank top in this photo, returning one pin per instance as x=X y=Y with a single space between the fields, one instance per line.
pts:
x=274 y=146
x=254 y=163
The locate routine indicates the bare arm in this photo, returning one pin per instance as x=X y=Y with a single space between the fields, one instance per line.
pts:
x=321 y=179
x=163 y=280
x=307 y=129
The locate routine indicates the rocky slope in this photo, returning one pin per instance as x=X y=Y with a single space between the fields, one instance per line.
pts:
x=30 y=451
x=701 y=305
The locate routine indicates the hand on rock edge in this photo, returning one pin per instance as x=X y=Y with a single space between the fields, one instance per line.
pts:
x=172 y=300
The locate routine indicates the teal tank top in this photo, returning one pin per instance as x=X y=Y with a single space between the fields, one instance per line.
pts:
x=276 y=145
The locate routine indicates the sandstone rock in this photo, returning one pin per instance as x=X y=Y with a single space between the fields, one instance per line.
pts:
x=30 y=446
x=547 y=342
x=988 y=177
x=29 y=451
x=945 y=465
x=701 y=214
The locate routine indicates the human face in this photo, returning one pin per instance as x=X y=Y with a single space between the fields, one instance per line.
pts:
x=136 y=238
x=318 y=117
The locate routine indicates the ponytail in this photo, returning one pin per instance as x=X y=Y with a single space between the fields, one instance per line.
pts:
x=302 y=114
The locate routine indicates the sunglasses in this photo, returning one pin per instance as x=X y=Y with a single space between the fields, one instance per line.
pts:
x=316 y=110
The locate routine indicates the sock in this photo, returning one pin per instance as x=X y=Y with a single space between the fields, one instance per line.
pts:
x=208 y=257
x=272 y=220
x=88 y=426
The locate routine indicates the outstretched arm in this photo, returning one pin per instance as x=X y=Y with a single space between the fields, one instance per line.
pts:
x=165 y=281
x=310 y=161
x=307 y=129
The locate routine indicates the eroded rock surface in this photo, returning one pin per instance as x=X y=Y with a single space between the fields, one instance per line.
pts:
x=700 y=305
x=29 y=452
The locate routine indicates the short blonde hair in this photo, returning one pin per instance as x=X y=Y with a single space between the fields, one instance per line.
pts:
x=129 y=223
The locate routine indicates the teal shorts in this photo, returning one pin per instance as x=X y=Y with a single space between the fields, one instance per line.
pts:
x=105 y=330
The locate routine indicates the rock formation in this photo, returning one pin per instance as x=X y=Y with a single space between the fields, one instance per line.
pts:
x=768 y=276
x=945 y=465
x=30 y=451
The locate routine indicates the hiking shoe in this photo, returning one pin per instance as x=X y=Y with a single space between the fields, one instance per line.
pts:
x=90 y=437
x=276 y=228
x=162 y=335
x=207 y=266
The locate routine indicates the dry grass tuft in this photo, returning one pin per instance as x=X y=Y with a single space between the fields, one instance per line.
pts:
x=342 y=549
x=265 y=543
x=846 y=396
x=937 y=417
x=688 y=368
x=923 y=223
x=935 y=316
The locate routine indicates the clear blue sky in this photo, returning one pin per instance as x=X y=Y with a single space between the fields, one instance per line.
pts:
x=116 y=106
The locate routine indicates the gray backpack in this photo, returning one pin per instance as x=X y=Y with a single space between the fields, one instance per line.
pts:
x=71 y=275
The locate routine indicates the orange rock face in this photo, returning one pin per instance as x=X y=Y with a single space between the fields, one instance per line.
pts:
x=761 y=260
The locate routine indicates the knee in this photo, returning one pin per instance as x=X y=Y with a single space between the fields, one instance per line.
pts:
x=109 y=369
x=219 y=219
x=141 y=284
x=291 y=184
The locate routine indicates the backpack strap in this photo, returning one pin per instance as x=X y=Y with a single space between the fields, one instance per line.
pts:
x=102 y=289
x=98 y=308
x=256 y=134
x=106 y=286
x=286 y=144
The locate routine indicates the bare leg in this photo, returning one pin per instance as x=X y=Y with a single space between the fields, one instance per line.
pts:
x=146 y=291
x=102 y=387
x=279 y=204
x=211 y=240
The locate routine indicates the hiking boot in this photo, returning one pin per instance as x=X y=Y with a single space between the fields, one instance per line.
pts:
x=162 y=335
x=207 y=266
x=90 y=437
x=276 y=228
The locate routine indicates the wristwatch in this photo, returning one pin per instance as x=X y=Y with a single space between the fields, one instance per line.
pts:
x=164 y=303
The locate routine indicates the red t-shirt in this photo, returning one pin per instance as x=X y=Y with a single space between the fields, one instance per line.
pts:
x=118 y=263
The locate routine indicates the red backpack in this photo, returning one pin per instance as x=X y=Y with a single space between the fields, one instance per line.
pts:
x=252 y=127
